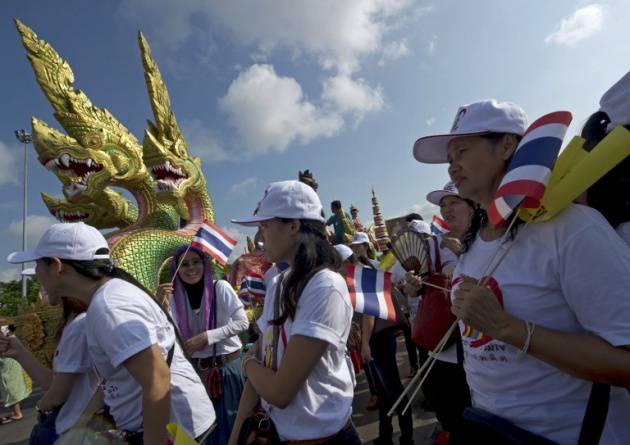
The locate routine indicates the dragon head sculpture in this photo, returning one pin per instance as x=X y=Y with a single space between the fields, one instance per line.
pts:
x=179 y=180
x=112 y=211
x=98 y=151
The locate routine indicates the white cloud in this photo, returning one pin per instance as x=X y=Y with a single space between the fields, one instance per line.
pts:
x=432 y=45
x=426 y=210
x=11 y=274
x=430 y=121
x=36 y=225
x=353 y=28
x=393 y=51
x=352 y=96
x=582 y=24
x=243 y=187
x=241 y=242
x=269 y=112
x=203 y=142
x=8 y=166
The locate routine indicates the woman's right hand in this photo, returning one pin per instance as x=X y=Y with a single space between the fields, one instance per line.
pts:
x=366 y=353
x=164 y=293
x=413 y=284
x=11 y=347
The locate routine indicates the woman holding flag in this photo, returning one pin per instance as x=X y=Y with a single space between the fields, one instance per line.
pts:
x=209 y=316
x=297 y=371
x=541 y=323
x=149 y=382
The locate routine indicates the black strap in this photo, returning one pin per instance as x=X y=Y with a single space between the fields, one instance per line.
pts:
x=595 y=415
x=169 y=357
x=276 y=327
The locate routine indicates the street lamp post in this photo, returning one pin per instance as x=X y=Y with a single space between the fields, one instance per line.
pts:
x=26 y=139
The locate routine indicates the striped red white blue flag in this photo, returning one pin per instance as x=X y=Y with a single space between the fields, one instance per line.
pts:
x=438 y=226
x=214 y=242
x=529 y=170
x=252 y=286
x=370 y=291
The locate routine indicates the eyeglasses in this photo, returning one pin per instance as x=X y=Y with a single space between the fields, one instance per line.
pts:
x=193 y=263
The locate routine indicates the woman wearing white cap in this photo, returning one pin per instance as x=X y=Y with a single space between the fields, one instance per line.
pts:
x=71 y=383
x=149 y=382
x=446 y=382
x=611 y=194
x=307 y=313
x=554 y=317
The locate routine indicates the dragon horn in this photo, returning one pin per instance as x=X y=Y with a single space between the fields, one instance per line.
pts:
x=165 y=128
x=73 y=109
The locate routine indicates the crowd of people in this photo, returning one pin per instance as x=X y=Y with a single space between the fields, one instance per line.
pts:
x=541 y=353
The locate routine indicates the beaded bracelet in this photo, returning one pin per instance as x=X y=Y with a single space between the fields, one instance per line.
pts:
x=246 y=359
x=530 y=330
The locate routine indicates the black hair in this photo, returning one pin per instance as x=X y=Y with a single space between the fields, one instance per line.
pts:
x=413 y=216
x=314 y=254
x=69 y=306
x=336 y=204
x=610 y=195
x=105 y=268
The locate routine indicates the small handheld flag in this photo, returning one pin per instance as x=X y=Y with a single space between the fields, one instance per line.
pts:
x=438 y=226
x=370 y=291
x=252 y=287
x=527 y=175
x=214 y=242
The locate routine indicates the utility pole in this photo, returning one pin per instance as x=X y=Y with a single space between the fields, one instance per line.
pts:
x=26 y=139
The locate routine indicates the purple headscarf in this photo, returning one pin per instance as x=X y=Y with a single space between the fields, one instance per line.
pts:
x=179 y=294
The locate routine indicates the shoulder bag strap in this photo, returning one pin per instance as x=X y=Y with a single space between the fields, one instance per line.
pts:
x=595 y=415
x=214 y=321
x=438 y=259
x=276 y=328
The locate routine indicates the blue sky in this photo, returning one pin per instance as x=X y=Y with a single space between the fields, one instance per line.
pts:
x=263 y=89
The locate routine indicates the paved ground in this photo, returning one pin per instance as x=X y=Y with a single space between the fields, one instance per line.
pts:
x=17 y=433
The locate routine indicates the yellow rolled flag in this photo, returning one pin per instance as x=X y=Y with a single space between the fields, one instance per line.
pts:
x=387 y=262
x=581 y=169
x=179 y=435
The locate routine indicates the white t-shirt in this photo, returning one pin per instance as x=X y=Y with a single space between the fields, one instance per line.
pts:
x=72 y=357
x=570 y=274
x=623 y=230
x=122 y=321
x=229 y=311
x=324 y=403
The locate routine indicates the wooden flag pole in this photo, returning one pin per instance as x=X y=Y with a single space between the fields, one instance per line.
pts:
x=180 y=263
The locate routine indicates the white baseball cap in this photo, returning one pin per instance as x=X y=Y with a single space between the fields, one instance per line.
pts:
x=360 y=238
x=477 y=118
x=419 y=226
x=286 y=199
x=616 y=103
x=435 y=197
x=67 y=241
x=343 y=250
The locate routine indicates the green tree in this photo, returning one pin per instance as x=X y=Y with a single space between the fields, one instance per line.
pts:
x=11 y=295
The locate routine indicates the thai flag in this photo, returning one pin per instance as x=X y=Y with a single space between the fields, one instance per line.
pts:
x=214 y=242
x=244 y=295
x=370 y=291
x=527 y=175
x=255 y=284
x=438 y=226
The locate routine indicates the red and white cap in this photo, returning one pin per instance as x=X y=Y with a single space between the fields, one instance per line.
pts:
x=436 y=196
x=477 y=118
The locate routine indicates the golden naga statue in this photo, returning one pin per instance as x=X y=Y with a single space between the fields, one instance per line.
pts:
x=98 y=152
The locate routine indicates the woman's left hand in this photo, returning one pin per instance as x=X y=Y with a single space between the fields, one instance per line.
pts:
x=196 y=343
x=478 y=307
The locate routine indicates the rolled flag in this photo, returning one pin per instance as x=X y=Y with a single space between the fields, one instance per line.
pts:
x=529 y=170
x=252 y=286
x=370 y=291
x=438 y=226
x=214 y=242
x=178 y=436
